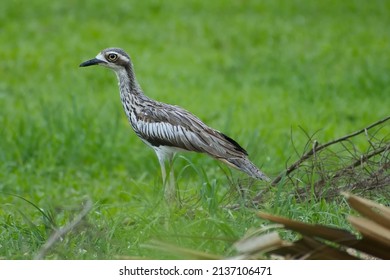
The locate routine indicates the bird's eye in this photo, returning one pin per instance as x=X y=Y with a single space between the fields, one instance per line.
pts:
x=112 y=57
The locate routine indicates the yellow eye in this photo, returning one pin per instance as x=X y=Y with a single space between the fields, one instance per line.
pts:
x=112 y=57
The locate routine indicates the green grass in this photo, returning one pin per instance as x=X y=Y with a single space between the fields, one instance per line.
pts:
x=256 y=70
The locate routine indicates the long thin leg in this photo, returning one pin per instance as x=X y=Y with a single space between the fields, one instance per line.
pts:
x=168 y=182
x=170 y=188
x=163 y=172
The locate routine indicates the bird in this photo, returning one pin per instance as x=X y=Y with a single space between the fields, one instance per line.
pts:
x=167 y=128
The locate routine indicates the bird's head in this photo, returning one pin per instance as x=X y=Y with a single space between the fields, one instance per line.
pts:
x=113 y=58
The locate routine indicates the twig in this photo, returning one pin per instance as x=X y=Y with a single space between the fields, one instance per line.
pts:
x=364 y=158
x=58 y=234
x=309 y=153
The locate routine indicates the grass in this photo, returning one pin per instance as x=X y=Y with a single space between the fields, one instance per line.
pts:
x=265 y=68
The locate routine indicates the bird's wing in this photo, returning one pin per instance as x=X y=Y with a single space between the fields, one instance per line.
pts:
x=169 y=125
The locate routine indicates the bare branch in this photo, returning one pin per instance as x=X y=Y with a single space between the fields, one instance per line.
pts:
x=360 y=161
x=309 y=153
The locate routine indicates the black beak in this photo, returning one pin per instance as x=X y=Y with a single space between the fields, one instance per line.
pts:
x=90 y=62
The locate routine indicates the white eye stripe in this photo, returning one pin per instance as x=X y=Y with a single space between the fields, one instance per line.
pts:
x=100 y=56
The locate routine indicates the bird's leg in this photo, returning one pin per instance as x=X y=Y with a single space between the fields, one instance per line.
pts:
x=170 y=186
x=168 y=181
x=163 y=172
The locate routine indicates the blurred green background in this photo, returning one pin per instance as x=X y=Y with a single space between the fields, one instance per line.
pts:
x=255 y=70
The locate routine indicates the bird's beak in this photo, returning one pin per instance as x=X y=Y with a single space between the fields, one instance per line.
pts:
x=90 y=62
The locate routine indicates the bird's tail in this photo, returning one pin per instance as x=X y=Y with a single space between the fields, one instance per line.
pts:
x=245 y=165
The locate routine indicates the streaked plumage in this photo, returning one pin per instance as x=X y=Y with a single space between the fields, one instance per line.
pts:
x=168 y=128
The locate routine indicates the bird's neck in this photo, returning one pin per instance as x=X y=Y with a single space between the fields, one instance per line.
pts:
x=128 y=85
